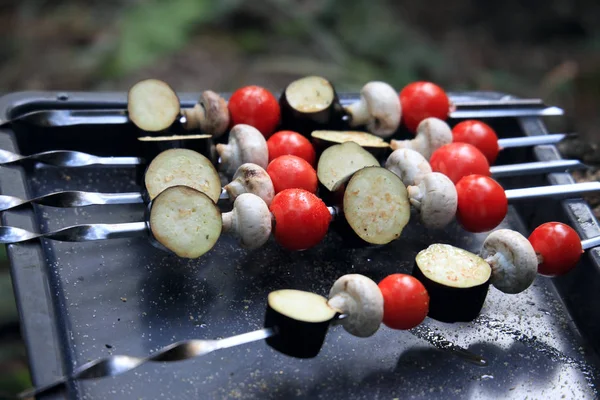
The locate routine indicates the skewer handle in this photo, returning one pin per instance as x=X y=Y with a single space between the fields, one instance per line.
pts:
x=76 y=233
x=526 y=141
x=552 y=191
x=538 y=167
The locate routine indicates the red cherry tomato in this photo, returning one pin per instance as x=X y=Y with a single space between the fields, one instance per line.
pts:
x=480 y=135
x=405 y=301
x=482 y=203
x=456 y=160
x=291 y=172
x=301 y=219
x=288 y=142
x=421 y=100
x=559 y=247
x=255 y=106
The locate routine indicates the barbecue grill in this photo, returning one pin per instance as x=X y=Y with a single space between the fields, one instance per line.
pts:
x=83 y=301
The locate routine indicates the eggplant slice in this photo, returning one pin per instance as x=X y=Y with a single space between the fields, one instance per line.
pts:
x=457 y=282
x=301 y=320
x=323 y=139
x=339 y=162
x=152 y=146
x=182 y=167
x=310 y=103
x=152 y=105
x=185 y=221
x=376 y=205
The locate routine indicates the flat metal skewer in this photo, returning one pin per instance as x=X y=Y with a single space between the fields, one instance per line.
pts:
x=68 y=158
x=81 y=199
x=525 y=141
x=464 y=109
x=179 y=351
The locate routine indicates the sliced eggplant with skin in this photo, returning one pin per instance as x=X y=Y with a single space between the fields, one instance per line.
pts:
x=182 y=167
x=152 y=146
x=457 y=282
x=185 y=221
x=376 y=205
x=338 y=163
x=301 y=320
x=152 y=105
x=309 y=104
x=375 y=145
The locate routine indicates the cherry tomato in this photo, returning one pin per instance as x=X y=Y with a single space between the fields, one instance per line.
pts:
x=480 y=135
x=456 y=160
x=255 y=106
x=405 y=301
x=559 y=247
x=301 y=219
x=421 y=100
x=482 y=203
x=288 y=142
x=292 y=172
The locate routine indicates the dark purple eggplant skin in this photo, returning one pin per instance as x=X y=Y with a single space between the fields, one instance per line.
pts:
x=331 y=118
x=449 y=304
x=295 y=338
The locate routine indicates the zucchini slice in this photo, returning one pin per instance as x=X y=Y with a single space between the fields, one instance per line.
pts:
x=457 y=282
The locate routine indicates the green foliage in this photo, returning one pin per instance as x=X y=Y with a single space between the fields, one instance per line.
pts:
x=151 y=29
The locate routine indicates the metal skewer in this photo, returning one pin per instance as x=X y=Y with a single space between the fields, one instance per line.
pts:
x=179 y=351
x=68 y=158
x=464 y=109
x=82 y=199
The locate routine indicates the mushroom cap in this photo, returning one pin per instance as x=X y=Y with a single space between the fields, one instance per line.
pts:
x=432 y=133
x=512 y=258
x=216 y=114
x=361 y=300
x=409 y=165
x=251 y=178
x=436 y=199
x=246 y=145
x=251 y=221
x=379 y=109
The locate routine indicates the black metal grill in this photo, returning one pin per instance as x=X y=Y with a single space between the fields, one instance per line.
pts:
x=83 y=301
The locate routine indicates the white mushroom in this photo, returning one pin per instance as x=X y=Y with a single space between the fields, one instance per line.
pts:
x=432 y=133
x=436 y=200
x=360 y=299
x=246 y=145
x=409 y=165
x=251 y=178
x=512 y=258
x=250 y=221
x=210 y=115
x=379 y=109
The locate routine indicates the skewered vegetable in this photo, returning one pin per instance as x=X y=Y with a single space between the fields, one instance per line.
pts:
x=406 y=301
x=432 y=133
x=251 y=178
x=512 y=258
x=249 y=221
x=152 y=105
x=457 y=160
x=435 y=199
x=482 y=203
x=291 y=172
x=291 y=143
x=410 y=166
x=378 y=109
x=478 y=134
x=375 y=145
x=246 y=145
x=185 y=221
x=301 y=319
x=360 y=299
x=182 y=167
x=210 y=115
x=422 y=100
x=457 y=282
x=257 y=107
x=558 y=248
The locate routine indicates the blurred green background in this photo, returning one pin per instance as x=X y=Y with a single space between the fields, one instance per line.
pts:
x=548 y=49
